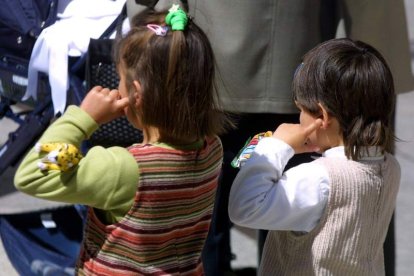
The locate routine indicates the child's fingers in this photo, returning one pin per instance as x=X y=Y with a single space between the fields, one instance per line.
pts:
x=105 y=91
x=99 y=90
x=312 y=127
x=122 y=103
x=114 y=94
x=96 y=88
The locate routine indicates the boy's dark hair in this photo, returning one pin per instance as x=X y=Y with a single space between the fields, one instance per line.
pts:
x=176 y=73
x=354 y=84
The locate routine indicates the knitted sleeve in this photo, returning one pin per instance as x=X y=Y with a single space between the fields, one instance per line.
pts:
x=104 y=178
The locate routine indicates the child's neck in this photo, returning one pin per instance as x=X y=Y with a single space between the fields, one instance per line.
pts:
x=331 y=136
x=152 y=135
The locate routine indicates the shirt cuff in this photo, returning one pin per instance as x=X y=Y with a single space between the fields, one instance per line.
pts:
x=270 y=146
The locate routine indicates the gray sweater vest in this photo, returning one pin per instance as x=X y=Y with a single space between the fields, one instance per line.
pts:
x=349 y=237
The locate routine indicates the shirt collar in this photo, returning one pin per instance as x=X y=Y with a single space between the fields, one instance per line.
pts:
x=368 y=154
x=335 y=152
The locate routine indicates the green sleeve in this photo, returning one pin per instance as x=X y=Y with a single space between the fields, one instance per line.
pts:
x=105 y=179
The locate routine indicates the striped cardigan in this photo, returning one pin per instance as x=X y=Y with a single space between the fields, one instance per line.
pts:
x=165 y=230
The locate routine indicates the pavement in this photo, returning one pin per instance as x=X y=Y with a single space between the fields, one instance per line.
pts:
x=243 y=240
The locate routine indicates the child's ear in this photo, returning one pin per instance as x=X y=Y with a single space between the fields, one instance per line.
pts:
x=326 y=118
x=137 y=93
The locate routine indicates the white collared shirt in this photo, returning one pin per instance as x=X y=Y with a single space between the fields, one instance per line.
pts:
x=263 y=197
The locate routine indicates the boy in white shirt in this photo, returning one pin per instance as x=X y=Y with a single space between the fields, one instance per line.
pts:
x=330 y=215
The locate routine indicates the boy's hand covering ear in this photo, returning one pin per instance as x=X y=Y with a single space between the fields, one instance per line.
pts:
x=297 y=136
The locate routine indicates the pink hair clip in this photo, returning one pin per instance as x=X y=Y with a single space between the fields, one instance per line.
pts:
x=158 y=30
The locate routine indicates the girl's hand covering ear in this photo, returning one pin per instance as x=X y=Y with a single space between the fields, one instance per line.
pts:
x=104 y=105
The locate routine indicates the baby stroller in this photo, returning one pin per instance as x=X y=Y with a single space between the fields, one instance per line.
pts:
x=20 y=24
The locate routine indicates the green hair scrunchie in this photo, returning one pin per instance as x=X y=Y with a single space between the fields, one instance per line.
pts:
x=176 y=18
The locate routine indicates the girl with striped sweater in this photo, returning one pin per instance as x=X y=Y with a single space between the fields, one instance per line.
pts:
x=150 y=204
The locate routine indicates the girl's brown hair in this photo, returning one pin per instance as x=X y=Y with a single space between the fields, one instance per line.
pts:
x=354 y=83
x=176 y=74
